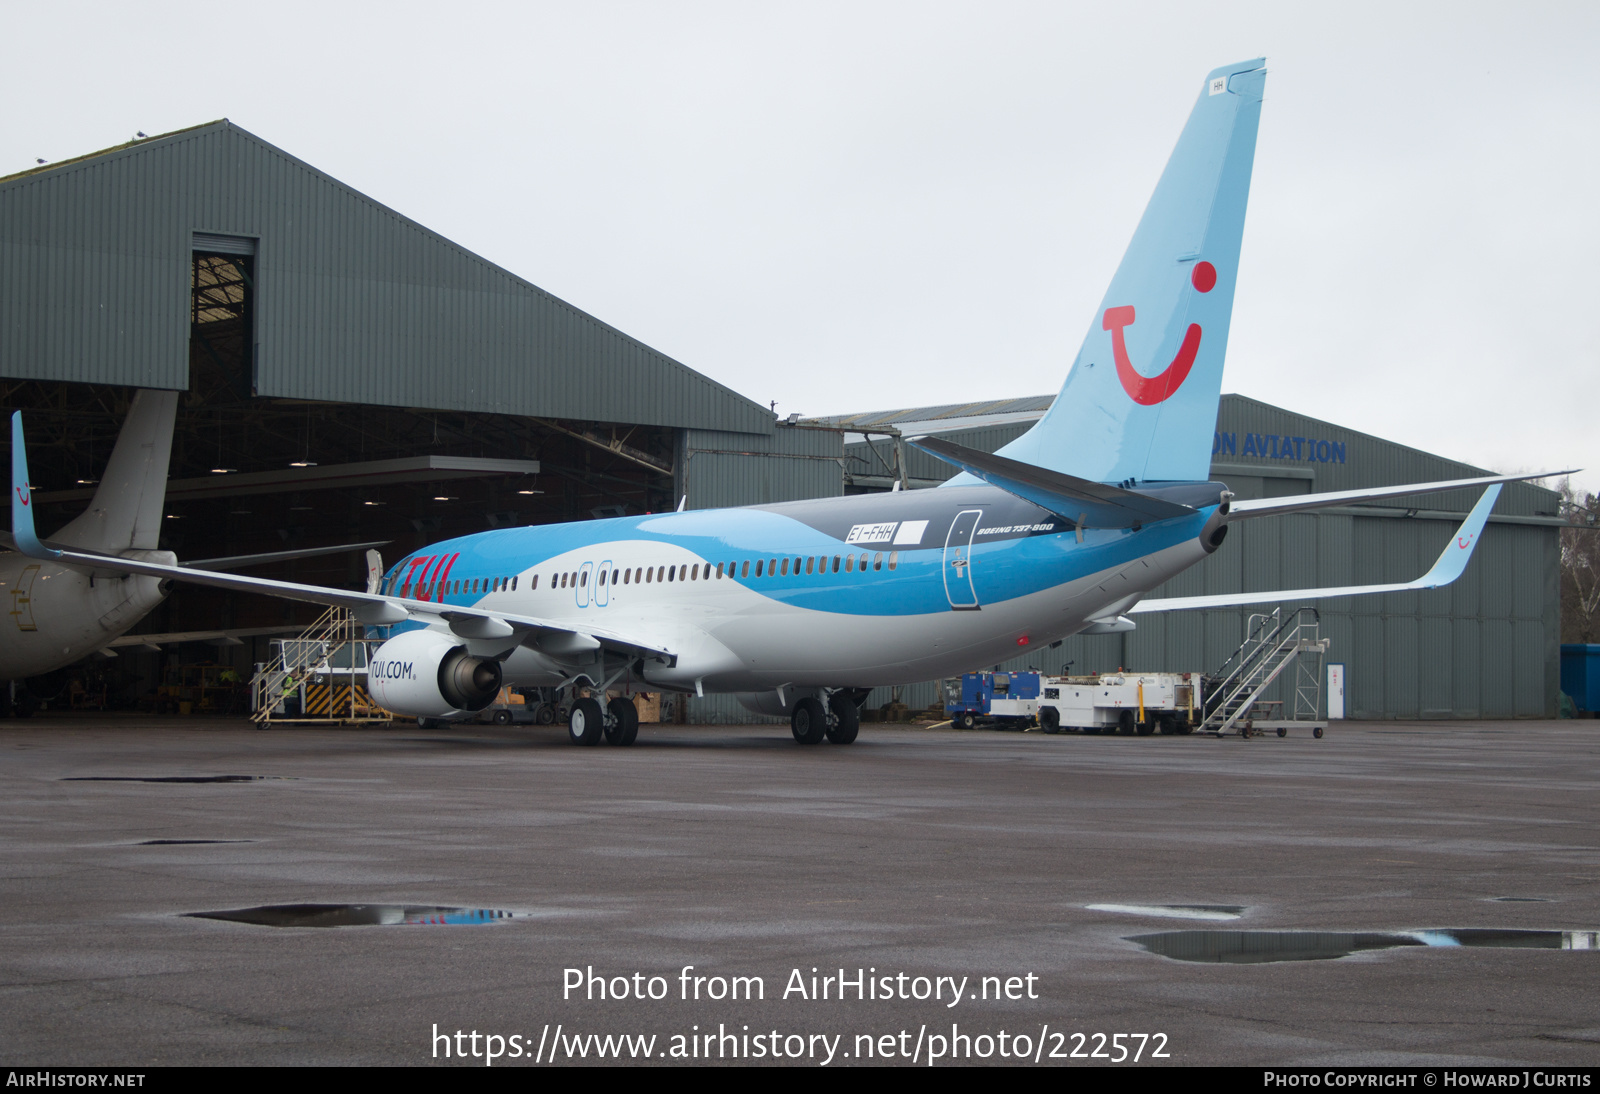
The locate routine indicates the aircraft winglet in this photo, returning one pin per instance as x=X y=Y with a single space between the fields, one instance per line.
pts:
x=1450 y=564
x=22 y=530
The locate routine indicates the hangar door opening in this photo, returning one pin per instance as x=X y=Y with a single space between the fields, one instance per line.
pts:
x=222 y=312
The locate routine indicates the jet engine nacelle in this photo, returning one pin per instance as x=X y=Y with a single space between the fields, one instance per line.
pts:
x=427 y=674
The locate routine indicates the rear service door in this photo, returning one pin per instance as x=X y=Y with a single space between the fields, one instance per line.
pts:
x=958 y=561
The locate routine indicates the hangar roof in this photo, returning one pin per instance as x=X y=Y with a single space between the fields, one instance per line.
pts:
x=354 y=302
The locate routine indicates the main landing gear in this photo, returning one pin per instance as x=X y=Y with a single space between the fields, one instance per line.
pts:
x=839 y=721
x=618 y=722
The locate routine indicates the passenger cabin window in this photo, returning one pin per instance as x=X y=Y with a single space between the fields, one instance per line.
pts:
x=759 y=564
x=849 y=563
x=672 y=573
x=894 y=559
x=877 y=561
x=719 y=569
x=649 y=575
x=513 y=583
x=835 y=563
x=785 y=567
x=533 y=583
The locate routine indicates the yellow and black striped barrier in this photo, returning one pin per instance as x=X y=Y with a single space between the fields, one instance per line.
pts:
x=333 y=701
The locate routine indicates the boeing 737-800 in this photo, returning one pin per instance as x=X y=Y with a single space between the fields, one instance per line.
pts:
x=797 y=606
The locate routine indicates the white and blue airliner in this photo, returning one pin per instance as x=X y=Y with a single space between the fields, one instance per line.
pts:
x=798 y=608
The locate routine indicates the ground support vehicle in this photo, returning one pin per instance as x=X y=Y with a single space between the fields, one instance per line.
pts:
x=1007 y=699
x=1126 y=702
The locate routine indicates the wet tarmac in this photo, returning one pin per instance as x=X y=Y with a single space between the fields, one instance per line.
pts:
x=155 y=911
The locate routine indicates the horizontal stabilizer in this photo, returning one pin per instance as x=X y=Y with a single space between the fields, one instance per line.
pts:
x=1451 y=564
x=1301 y=503
x=1078 y=501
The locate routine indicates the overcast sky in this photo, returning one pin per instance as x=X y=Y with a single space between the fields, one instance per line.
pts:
x=862 y=206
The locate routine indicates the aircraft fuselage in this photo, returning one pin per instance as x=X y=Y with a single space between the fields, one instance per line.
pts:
x=858 y=591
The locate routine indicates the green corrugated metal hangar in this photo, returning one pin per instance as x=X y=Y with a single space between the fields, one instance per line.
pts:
x=352 y=376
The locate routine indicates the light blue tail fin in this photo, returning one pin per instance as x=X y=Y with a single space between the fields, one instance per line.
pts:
x=1140 y=402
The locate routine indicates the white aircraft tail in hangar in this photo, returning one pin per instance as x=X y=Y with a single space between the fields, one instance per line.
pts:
x=800 y=607
x=58 y=614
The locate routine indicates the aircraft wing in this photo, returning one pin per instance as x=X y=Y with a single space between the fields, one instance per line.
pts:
x=234 y=562
x=472 y=623
x=238 y=562
x=1449 y=566
x=228 y=637
x=1078 y=501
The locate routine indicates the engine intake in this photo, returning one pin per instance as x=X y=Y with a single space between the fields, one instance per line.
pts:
x=428 y=674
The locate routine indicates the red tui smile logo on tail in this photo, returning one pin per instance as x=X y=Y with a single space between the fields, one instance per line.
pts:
x=1149 y=390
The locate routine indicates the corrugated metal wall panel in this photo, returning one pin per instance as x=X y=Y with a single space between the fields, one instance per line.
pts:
x=730 y=469
x=355 y=303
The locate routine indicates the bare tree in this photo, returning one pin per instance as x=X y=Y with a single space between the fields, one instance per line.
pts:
x=1580 y=565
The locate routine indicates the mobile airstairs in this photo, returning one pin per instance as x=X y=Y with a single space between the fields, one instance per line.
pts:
x=318 y=678
x=1275 y=647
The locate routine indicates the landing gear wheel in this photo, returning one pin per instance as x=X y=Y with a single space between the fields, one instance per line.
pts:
x=1317 y=732
x=966 y=720
x=585 y=725
x=502 y=717
x=624 y=727
x=1050 y=720
x=809 y=722
x=846 y=720
x=1283 y=731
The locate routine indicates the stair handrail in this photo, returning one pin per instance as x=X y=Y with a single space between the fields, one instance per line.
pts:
x=1263 y=664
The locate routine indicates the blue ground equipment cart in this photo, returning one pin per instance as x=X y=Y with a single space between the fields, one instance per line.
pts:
x=1008 y=698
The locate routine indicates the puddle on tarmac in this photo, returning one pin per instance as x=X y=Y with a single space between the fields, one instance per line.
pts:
x=1174 y=911
x=165 y=778
x=1257 y=947
x=176 y=842
x=358 y=915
